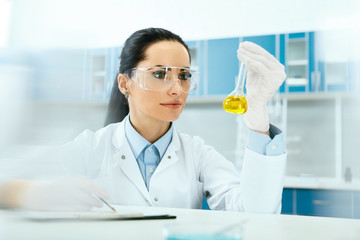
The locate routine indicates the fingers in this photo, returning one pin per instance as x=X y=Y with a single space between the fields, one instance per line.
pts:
x=254 y=65
x=88 y=186
x=256 y=49
x=85 y=199
x=73 y=193
x=258 y=54
x=84 y=192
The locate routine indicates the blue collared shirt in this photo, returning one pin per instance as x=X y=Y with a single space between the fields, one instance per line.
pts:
x=147 y=155
x=265 y=145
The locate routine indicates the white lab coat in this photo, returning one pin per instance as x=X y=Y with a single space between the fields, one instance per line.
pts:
x=188 y=171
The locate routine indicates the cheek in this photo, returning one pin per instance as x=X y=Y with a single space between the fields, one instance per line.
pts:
x=145 y=100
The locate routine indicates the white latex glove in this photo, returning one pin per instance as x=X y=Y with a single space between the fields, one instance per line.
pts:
x=265 y=75
x=69 y=193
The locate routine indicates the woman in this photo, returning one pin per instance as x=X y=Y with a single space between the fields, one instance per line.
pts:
x=142 y=159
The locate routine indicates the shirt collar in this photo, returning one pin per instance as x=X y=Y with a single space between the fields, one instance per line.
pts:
x=138 y=143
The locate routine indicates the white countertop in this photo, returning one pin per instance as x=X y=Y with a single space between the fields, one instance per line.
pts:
x=257 y=226
x=321 y=183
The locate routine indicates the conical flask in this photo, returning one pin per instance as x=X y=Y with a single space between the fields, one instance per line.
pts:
x=236 y=102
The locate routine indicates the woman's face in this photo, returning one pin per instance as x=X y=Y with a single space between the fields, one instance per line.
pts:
x=168 y=104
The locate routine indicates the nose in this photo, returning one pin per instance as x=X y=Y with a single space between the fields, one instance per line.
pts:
x=175 y=87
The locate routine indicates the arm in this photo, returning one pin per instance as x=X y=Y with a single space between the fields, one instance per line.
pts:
x=11 y=192
x=259 y=187
x=66 y=186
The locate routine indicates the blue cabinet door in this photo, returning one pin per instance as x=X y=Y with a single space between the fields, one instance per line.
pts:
x=324 y=203
x=287 y=201
x=268 y=42
x=222 y=65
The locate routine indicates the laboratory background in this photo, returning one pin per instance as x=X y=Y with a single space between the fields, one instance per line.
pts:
x=58 y=61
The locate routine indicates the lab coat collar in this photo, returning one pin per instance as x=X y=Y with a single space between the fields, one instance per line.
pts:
x=119 y=138
x=119 y=135
x=138 y=143
x=170 y=157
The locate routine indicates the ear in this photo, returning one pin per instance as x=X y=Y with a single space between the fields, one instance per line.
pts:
x=123 y=83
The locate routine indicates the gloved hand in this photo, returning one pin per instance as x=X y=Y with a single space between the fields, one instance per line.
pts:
x=265 y=75
x=69 y=193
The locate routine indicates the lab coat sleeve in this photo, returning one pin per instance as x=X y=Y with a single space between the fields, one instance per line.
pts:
x=73 y=158
x=257 y=188
x=261 y=180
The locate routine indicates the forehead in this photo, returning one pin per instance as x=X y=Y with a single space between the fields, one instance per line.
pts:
x=167 y=53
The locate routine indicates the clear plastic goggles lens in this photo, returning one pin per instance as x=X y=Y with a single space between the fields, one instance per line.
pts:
x=163 y=78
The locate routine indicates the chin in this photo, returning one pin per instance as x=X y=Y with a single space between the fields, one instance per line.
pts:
x=171 y=117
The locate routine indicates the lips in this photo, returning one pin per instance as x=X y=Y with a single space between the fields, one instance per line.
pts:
x=172 y=104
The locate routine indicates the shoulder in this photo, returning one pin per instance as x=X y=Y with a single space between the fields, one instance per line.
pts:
x=194 y=143
x=95 y=137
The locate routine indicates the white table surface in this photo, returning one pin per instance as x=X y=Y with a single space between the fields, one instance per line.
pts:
x=257 y=226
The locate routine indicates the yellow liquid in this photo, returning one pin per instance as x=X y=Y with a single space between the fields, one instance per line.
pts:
x=235 y=104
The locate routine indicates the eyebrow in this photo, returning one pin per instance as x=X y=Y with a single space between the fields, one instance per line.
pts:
x=181 y=68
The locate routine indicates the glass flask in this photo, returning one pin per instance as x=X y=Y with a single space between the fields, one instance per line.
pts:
x=236 y=102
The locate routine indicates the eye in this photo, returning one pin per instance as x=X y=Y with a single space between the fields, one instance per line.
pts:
x=185 y=76
x=159 y=74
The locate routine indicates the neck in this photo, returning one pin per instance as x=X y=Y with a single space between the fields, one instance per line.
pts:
x=151 y=129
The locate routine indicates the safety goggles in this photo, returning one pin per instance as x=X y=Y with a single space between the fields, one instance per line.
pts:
x=162 y=78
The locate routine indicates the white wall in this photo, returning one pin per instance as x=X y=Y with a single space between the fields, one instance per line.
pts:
x=84 y=23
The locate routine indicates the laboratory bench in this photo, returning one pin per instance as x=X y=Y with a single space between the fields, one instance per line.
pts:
x=252 y=226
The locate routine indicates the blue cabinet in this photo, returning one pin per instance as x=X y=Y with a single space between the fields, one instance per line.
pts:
x=324 y=203
x=287 y=202
x=272 y=44
x=101 y=69
x=222 y=66
x=89 y=74
x=268 y=42
x=329 y=203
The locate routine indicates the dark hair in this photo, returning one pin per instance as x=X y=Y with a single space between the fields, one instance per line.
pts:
x=132 y=53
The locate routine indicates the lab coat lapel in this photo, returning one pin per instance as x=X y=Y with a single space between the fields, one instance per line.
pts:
x=170 y=157
x=127 y=162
